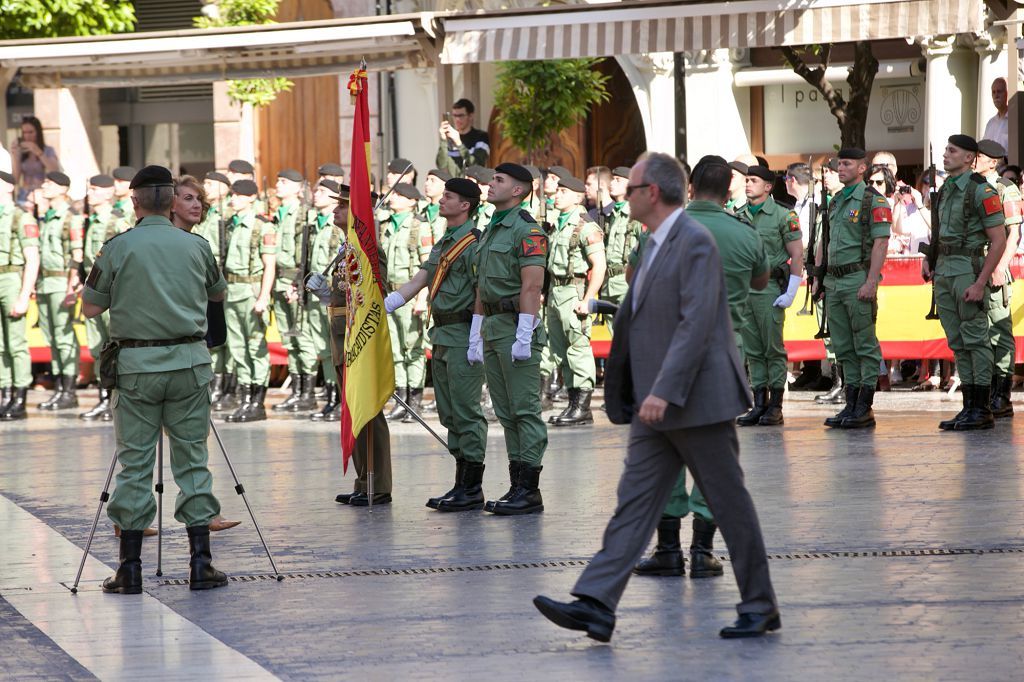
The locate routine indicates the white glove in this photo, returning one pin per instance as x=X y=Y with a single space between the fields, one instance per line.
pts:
x=786 y=299
x=394 y=301
x=475 y=352
x=319 y=286
x=524 y=335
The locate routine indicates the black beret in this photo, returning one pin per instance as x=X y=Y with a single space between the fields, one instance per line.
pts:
x=833 y=164
x=332 y=186
x=739 y=167
x=534 y=171
x=440 y=174
x=569 y=182
x=241 y=166
x=400 y=165
x=291 y=174
x=101 y=181
x=152 y=176
x=59 y=178
x=408 y=191
x=125 y=173
x=761 y=172
x=854 y=153
x=7 y=177
x=246 y=188
x=965 y=142
x=331 y=169
x=991 y=149
x=558 y=171
x=514 y=170
x=463 y=187
x=711 y=160
x=621 y=171
x=218 y=177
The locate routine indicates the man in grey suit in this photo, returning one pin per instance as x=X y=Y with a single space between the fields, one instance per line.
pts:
x=674 y=356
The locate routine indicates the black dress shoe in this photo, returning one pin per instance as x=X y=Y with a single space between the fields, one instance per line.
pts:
x=584 y=614
x=345 y=498
x=752 y=625
x=363 y=500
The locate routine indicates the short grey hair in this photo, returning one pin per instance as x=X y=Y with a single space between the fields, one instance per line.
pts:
x=155 y=199
x=668 y=174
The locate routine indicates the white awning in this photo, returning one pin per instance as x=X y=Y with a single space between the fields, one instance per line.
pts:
x=604 y=30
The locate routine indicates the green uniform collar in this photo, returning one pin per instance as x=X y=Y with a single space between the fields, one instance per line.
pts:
x=452 y=230
x=431 y=211
x=322 y=219
x=501 y=215
x=704 y=205
x=847 y=192
x=620 y=204
x=398 y=219
x=754 y=209
x=155 y=221
x=960 y=180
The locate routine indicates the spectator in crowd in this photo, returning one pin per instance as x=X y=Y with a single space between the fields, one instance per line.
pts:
x=798 y=186
x=997 y=127
x=462 y=145
x=31 y=159
x=1012 y=173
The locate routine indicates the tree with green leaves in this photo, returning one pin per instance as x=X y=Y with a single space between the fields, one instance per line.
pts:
x=23 y=19
x=538 y=99
x=258 y=92
x=851 y=114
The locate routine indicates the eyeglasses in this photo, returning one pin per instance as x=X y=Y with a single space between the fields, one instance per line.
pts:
x=631 y=188
x=877 y=183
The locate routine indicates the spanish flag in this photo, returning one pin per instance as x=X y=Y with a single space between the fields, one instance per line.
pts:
x=368 y=371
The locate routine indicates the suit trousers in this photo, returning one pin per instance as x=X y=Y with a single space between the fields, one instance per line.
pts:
x=653 y=463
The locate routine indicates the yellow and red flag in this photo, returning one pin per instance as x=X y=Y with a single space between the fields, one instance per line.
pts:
x=368 y=371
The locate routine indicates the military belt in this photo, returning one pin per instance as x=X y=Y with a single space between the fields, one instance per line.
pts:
x=502 y=307
x=337 y=311
x=616 y=269
x=949 y=250
x=567 y=281
x=848 y=269
x=55 y=273
x=4 y=269
x=152 y=343
x=242 y=279
x=289 y=273
x=443 y=319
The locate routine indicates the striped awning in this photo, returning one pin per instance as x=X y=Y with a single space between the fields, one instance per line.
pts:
x=603 y=31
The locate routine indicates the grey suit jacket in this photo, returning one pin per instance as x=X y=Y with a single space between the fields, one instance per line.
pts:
x=676 y=339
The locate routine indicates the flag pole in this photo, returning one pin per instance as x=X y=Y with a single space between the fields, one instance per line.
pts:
x=369 y=466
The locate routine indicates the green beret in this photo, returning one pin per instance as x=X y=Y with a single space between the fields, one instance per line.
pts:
x=621 y=171
x=331 y=169
x=218 y=177
x=991 y=149
x=59 y=178
x=569 y=182
x=400 y=165
x=125 y=173
x=291 y=174
x=101 y=181
x=247 y=188
x=332 y=186
x=482 y=175
x=408 y=191
x=442 y=175
x=241 y=166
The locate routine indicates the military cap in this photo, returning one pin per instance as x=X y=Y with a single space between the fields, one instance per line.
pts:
x=854 y=153
x=569 y=182
x=991 y=149
x=558 y=171
x=7 y=177
x=965 y=142
x=125 y=173
x=514 y=170
x=333 y=187
x=534 y=171
x=621 y=171
x=761 y=172
x=59 y=178
x=408 y=191
x=833 y=164
x=711 y=160
x=440 y=174
x=241 y=166
x=291 y=174
x=482 y=175
x=152 y=176
x=218 y=177
x=739 y=167
x=400 y=165
x=246 y=188
x=331 y=169
x=463 y=187
x=101 y=181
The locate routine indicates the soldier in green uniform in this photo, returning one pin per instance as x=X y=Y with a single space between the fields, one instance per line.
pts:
x=406 y=243
x=447 y=275
x=746 y=268
x=249 y=269
x=576 y=265
x=506 y=334
x=737 y=187
x=19 y=266
x=158 y=320
x=967 y=246
x=621 y=236
x=60 y=246
x=555 y=388
x=399 y=170
x=860 y=220
x=123 y=210
x=483 y=178
x=430 y=210
x=1004 y=349
x=762 y=332
x=331 y=171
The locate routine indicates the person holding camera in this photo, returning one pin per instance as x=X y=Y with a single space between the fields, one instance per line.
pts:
x=461 y=145
x=31 y=159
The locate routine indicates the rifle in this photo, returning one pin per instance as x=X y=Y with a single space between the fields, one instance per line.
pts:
x=812 y=221
x=933 y=246
x=826 y=232
x=222 y=233
x=302 y=263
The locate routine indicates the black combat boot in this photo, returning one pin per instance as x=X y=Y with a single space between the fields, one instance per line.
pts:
x=6 y=395
x=255 y=411
x=68 y=398
x=513 y=479
x=773 y=415
x=398 y=412
x=851 y=401
x=526 y=498
x=459 y=466
x=469 y=494
x=102 y=409
x=979 y=416
x=286 y=404
x=307 y=394
x=58 y=389
x=968 y=400
x=335 y=414
x=246 y=391
x=332 y=402
x=752 y=417
x=579 y=413
x=553 y=419
x=202 y=575
x=216 y=388
x=15 y=409
x=554 y=386
x=1001 y=404
x=415 y=405
x=862 y=416
x=128 y=579
x=667 y=559
x=229 y=395
x=835 y=394
x=703 y=563
x=546 y=403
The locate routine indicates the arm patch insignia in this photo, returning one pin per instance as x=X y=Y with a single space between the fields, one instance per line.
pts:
x=77 y=233
x=535 y=245
x=31 y=231
x=992 y=205
x=595 y=238
x=881 y=214
x=793 y=222
x=1011 y=209
x=94 y=276
x=270 y=239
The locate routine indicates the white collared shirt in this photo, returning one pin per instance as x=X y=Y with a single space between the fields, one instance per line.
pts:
x=652 y=246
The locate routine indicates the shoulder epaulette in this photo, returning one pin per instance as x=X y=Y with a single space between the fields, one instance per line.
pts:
x=1006 y=183
x=476 y=232
x=121 y=234
x=117 y=212
x=978 y=179
x=527 y=216
x=785 y=204
x=740 y=219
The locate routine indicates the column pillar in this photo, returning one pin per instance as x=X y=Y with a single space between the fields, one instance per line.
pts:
x=71 y=125
x=951 y=92
x=717 y=112
x=234 y=128
x=653 y=79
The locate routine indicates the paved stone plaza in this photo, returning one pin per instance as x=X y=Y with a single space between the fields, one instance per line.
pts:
x=896 y=553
